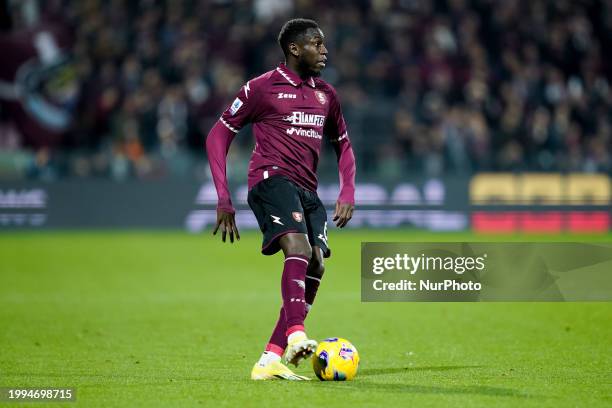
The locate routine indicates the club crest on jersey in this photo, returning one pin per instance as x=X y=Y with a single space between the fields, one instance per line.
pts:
x=321 y=97
x=297 y=216
x=235 y=106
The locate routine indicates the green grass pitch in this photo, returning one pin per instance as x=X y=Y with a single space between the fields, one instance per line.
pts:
x=170 y=319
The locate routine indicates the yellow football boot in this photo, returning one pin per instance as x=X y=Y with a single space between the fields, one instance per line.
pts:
x=275 y=371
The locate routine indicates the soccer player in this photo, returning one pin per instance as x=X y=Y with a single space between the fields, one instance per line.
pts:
x=291 y=110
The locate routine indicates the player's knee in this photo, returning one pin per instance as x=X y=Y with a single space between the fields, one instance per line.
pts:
x=316 y=268
x=296 y=245
x=302 y=249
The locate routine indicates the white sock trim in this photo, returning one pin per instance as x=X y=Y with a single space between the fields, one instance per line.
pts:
x=295 y=257
x=268 y=357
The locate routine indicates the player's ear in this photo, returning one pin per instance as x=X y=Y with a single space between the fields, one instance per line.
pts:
x=294 y=49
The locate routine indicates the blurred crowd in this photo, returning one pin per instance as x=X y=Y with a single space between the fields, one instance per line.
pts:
x=427 y=87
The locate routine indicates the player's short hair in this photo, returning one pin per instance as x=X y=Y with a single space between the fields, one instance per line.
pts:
x=292 y=31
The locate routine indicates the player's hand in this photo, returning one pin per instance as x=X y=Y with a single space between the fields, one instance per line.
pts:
x=227 y=223
x=343 y=213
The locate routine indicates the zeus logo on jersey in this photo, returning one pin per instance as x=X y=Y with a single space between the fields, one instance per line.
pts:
x=286 y=96
x=304 y=133
x=303 y=118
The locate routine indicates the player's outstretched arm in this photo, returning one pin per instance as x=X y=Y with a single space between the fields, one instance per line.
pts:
x=242 y=111
x=227 y=223
x=217 y=146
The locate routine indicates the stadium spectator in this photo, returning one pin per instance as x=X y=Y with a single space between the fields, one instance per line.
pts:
x=447 y=85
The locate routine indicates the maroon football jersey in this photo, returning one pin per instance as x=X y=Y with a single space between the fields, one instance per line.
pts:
x=290 y=117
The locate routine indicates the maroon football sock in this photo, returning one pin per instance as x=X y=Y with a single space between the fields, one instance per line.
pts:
x=293 y=286
x=295 y=268
x=278 y=337
x=278 y=340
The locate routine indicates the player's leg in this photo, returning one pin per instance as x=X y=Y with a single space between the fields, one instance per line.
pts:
x=297 y=252
x=314 y=274
x=316 y=222
x=278 y=341
x=315 y=217
x=312 y=246
x=273 y=202
x=294 y=246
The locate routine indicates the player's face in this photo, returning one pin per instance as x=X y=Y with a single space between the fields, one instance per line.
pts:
x=313 y=53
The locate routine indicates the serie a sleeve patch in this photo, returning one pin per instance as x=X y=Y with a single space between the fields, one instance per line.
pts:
x=235 y=106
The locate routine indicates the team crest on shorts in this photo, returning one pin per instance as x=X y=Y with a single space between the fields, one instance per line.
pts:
x=321 y=97
x=297 y=216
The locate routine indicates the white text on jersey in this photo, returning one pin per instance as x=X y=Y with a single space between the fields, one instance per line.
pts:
x=304 y=133
x=303 y=118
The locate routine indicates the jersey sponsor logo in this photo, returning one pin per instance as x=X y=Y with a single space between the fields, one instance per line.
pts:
x=235 y=106
x=304 y=133
x=276 y=220
x=297 y=216
x=321 y=97
x=307 y=119
x=282 y=95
